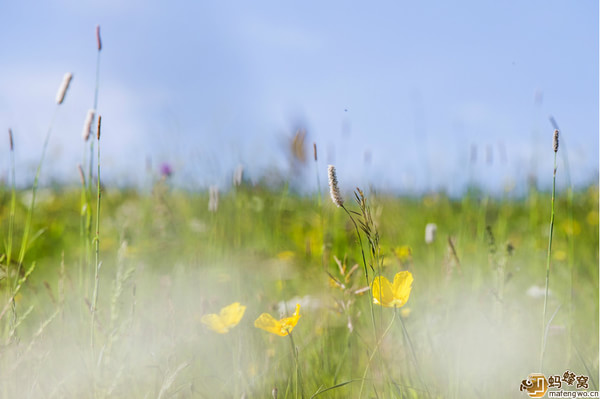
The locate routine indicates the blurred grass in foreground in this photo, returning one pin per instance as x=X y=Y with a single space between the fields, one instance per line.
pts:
x=473 y=314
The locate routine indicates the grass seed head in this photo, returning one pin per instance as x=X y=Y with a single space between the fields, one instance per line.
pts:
x=99 y=125
x=213 y=200
x=87 y=126
x=10 y=138
x=238 y=175
x=297 y=146
x=333 y=186
x=430 y=231
x=81 y=175
x=555 y=141
x=98 y=39
x=62 y=90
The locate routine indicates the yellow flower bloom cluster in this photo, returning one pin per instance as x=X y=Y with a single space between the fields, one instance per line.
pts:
x=231 y=315
x=384 y=293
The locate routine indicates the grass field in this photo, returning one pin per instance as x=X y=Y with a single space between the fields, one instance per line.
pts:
x=473 y=319
x=261 y=291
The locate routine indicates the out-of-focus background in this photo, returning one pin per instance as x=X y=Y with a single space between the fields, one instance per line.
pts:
x=118 y=280
x=405 y=96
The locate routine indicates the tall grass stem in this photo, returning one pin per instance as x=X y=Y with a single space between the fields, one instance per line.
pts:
x=375 y=350
x=96 y=240
x=299 y=381
x=28 y=220
x=543 y=337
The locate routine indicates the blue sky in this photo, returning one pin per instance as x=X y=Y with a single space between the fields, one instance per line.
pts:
x=210 y=85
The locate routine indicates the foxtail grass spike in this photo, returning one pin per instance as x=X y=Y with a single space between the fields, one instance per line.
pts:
x=10 y=139
x=98 y=39
x=430 y=232
x=81 y=175
x=87 y=126
x=315 y=151
x=333 y=186
x=238 y=175
x=62 y=91
x=550 y=235
x=99 y=125
x=213 y=200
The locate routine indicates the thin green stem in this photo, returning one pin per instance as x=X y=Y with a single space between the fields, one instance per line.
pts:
x=362 y=252
x=298 y=371
x=414 y=355
x=364 y=377
x=88 y=222
x=366 y=271
x=27 y=229
x=318 y=184
x=28 y=221
x=320 y=207
x=88 y=214
x=97 y=242
x=11 y=223
x=543 y=339
x=571 y=263
x=84 y=209
x=13 y=204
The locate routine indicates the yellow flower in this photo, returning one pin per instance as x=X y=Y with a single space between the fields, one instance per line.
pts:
x=572 y=229
x=286 y=255
x=559 y=255
x=592 y=218
x=403 y=253
x=388 y=295
x=229 y=317
x=280 y=327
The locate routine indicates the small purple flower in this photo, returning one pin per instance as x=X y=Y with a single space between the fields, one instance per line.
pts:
x=166 y=170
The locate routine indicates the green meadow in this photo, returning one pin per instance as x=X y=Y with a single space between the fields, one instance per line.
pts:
x=131 y=323
x=267 y=289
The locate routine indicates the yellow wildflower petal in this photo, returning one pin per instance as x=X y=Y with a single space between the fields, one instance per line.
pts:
x=288 y=323
x=213 y=321
x=402 y=286
x=382 y=291
x=268 y=323
x=229 y=317
x=232 y=314
x=279 y=327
